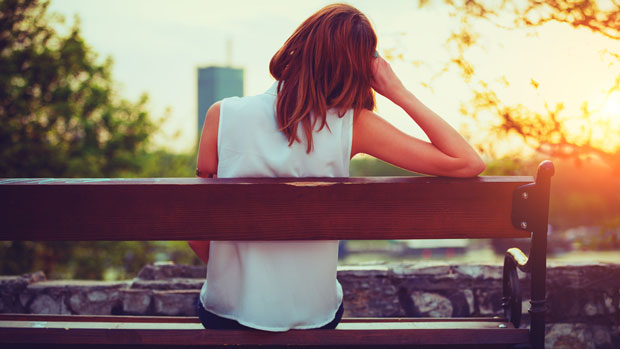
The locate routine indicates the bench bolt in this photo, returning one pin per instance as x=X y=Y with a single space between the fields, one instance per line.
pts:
x=524 y=225
x=525 y=195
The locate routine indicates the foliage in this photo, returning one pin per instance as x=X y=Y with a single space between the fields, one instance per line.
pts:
x=160 y=163
x=607 y=238
x=109 y=260
x=511 y=166
x=59 y=114
x=583 y=193
x=368 y=166
x=554 y=132
x=89 y=260
x=584 y=144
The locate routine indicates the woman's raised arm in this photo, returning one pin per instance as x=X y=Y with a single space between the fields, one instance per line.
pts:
x=447 y=153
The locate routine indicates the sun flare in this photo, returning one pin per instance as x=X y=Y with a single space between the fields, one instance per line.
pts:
x=611 y=108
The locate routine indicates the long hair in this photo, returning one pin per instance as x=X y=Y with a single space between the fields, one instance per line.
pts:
x=325 y=64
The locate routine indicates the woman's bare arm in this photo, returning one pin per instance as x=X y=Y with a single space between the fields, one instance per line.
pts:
x=206 y=166
x=447 y=153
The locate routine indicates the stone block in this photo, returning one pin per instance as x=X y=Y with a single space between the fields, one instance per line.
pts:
x=431 y=304
x=469 y=296
x=95 y=302
x=488 y=302
x=479 y=271
x=46 y=297
x=168 y=284
x=73 y=297
x=462 y=302
x=175 y=303
x=49 y=304
x=575 y=305
x=583 y=276
x=579 y=335
x=369 y=291
x=168 y=270
x=136 y=301
x=11 y=287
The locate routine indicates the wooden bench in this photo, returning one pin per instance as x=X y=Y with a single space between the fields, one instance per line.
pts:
x=285 y=209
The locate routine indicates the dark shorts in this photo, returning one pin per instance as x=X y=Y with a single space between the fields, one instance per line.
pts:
x=212 y=321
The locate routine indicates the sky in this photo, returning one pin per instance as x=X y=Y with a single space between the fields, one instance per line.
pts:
x=157 y=45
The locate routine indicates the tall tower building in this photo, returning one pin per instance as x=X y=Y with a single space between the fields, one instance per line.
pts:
x=214 y=84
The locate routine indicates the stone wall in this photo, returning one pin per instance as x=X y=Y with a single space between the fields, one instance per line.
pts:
x=583 y=300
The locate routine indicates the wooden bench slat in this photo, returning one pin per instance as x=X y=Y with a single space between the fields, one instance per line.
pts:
x=97 y=318
x=7 y=317
x=387 y=333
x=258 y=209
x=382 y=325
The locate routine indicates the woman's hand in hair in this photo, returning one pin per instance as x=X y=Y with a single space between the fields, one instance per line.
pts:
x=447 y=153
x=385 y=81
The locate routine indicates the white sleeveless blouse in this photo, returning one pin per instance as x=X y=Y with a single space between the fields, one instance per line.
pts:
x=275 y=286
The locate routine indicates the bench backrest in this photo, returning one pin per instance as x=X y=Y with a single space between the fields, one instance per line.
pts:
x=267 y=209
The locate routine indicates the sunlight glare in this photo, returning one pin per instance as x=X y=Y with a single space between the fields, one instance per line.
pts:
x=611 y=109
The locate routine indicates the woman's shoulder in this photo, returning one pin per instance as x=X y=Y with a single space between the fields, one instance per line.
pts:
x=214 y=111
x=241 y=102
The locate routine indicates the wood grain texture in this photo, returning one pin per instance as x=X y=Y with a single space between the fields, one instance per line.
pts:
x=8 y=317
x=348 y=333
x=257 y=209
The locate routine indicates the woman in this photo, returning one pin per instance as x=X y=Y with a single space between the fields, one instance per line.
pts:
x=313 y=120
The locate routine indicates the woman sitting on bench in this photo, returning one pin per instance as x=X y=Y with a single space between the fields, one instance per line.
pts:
x=310 y=123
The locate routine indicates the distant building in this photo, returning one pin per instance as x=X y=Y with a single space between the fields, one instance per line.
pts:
x=214 y=84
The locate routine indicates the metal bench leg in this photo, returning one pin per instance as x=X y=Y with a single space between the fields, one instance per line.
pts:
x=538 y=301
x=530 y=212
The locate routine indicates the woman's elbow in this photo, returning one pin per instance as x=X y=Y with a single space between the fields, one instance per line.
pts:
x=473 y=168
x=468 y=168
x=479 y=167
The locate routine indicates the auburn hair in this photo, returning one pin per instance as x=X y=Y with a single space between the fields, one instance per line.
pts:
x=326 y=64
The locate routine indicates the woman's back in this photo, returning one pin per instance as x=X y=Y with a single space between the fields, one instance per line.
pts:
x=250 y=143
x=328 y=71
x=275 y=286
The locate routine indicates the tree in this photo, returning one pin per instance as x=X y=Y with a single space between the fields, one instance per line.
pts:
x=60 y=117
x=584 y=145
x=59 y=113
x=549 y=132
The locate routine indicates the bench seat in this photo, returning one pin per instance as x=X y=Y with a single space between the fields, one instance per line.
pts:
x=135 y=330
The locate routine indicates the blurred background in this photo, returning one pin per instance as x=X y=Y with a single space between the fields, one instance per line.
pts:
x=119 y=88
